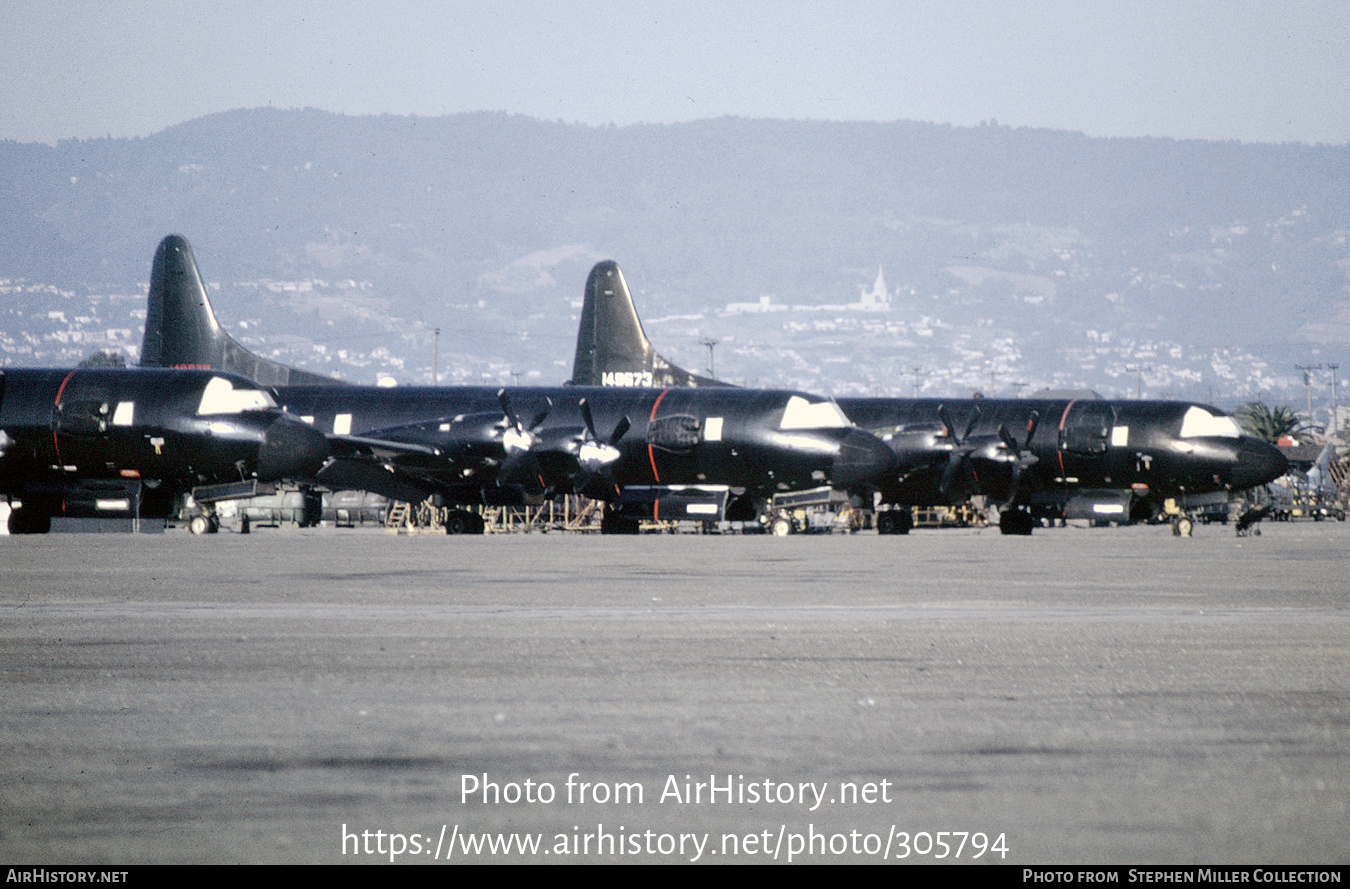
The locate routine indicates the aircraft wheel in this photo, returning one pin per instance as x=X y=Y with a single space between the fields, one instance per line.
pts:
x=617 y=524
x=904 y=521
x=780 y=527
x=741 y=509
x=1015 y=522
x=1182 y=527
x=198 y=524
x=461 y=521
x=245 y=526
x=311 y=515
x=895 y=521
x=25 y=520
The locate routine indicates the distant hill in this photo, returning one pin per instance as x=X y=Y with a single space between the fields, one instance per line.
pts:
x=370 y=231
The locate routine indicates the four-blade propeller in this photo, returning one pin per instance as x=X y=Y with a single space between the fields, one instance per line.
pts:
x=958 y=457
x=519 y=441
x=966 y=453
x=1020 y=456
x=541 y=458
x=596 y=457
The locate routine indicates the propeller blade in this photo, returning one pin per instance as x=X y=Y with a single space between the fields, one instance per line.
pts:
x=946 y=418
x=588 y=419
x=505 y=401
x=542 y=415
x=1013 y=485
x=949 y=473
x=1031 y=427
x=1023 y=457
x=970 y=426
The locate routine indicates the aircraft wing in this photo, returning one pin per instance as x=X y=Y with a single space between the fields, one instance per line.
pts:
x=357 y=474
x=462 y=459
x=365 y=445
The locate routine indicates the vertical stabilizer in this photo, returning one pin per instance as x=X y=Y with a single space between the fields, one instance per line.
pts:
x=612 y=349
x=1319 y=476
x=181 y=329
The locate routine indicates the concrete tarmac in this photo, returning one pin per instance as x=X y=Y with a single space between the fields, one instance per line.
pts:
x=1081 y=696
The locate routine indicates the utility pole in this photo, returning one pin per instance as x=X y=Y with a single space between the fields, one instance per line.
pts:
x=710 y=344
x=435 y=356
x=918 y=372
x=1307 y=384
x=1138 y=379
x=1334 y=423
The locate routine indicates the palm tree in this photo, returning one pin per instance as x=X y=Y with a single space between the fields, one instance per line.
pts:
x=1266 y=422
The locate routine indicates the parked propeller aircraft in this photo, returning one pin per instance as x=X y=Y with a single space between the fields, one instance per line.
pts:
x=74 y=440
x=1074 y=457
x=470 y=445
x=1313 y=492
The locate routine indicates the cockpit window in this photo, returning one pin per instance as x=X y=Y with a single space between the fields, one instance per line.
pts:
x=1200 y=423
x=803 y=414
x=221 y=397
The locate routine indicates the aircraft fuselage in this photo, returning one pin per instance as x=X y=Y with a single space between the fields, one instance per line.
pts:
x=1152 y=449
x=171 y=430
x=759 y=440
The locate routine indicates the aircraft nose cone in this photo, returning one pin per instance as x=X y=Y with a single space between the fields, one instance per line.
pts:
x=291 y=449
x=1258 y=462
x=862 y=460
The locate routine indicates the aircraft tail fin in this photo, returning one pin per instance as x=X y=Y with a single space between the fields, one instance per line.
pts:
x=1319 y=475
x=181 y=329
x=612 y=349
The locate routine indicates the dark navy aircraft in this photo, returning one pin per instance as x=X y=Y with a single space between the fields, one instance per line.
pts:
x=71 y=440
x=1068 y=457
x=470 y=445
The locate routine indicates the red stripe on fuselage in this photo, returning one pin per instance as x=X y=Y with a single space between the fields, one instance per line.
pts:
x=651 y=454
x=56 y=404
x=1059 y=452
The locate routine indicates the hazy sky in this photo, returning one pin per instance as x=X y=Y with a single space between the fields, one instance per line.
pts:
x=1253 y=70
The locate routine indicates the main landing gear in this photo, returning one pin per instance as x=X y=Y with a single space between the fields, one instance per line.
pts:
x=1016 y=521
x=461 y=521
x=28 y=520
x=895 y=521
x=615 y=522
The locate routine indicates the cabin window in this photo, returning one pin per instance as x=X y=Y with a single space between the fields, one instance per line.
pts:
x=803 y=414
x=222 y=397
x=678 y=433
x=1200 y=423
x=1088 y=427
x=82 y=417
